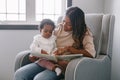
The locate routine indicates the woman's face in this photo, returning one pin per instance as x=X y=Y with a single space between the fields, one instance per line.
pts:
x=67 y=24
x=47 y=30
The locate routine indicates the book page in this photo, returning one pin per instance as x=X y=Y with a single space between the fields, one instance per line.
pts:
x=49 y=57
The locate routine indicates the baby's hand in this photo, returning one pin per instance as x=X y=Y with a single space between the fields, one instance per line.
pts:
x=43 y=52
x=33 y=58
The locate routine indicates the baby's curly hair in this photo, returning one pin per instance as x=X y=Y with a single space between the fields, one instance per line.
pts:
x=46 y=22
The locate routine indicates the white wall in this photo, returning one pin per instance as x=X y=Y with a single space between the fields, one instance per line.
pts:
x=12 y=42
x=90 y=6
x=113 y=7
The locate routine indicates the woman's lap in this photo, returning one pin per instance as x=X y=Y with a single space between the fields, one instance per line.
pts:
x=34 y=72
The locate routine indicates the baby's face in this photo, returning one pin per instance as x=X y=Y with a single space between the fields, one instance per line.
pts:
x=47 y=30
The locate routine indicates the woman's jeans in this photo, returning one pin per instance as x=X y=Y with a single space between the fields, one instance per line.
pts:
x=35 y=72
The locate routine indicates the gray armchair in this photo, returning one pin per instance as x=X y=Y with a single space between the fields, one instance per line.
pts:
x=84 y=68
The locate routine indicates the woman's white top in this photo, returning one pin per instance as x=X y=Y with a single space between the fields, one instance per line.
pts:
x=40 y=43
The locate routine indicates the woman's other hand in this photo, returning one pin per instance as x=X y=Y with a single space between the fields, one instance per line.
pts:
x=63 y=64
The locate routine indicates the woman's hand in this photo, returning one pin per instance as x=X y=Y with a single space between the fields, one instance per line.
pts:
x=43 y=52
x=60 y=51
x=57 y=52
x=33 y=58
x=79 y=51
x=71 y=49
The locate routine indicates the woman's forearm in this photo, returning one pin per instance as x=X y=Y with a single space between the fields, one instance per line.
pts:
x=85 y=53
x=80 y=51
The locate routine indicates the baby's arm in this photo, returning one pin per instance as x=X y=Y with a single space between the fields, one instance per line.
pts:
x=35 y=47
x=43 y=51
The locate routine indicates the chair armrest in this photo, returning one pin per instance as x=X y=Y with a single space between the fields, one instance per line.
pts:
x=22 y=59
x=88 y=69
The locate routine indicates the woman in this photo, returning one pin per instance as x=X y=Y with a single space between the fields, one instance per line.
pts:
x=72 y=34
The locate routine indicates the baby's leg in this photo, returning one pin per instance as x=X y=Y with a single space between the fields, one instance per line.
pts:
x=50 y=65
x=46 y=64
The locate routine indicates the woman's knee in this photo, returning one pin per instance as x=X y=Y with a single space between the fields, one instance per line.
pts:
x=27 y=72
x=46 y=75
x=19 y=75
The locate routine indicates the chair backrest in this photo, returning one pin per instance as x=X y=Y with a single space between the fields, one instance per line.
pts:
x=94 y=22
x=102 y=27
x=107 y=34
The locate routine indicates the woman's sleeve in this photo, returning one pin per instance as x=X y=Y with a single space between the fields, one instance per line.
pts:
x=34 y=47
x=88 y=43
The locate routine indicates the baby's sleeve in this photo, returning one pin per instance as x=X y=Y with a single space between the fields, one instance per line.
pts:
x=34 y=47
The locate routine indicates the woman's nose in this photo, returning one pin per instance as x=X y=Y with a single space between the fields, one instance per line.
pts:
x=49 y=33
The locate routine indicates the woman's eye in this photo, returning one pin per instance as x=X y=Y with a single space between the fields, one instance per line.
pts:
x=48 y=31
x=69 y=25
x=45 y=31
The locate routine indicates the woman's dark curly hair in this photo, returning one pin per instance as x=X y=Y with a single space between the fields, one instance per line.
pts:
x=46 y=22
x=79 y=28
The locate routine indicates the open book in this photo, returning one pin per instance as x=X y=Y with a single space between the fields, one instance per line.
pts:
x=59 y=57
